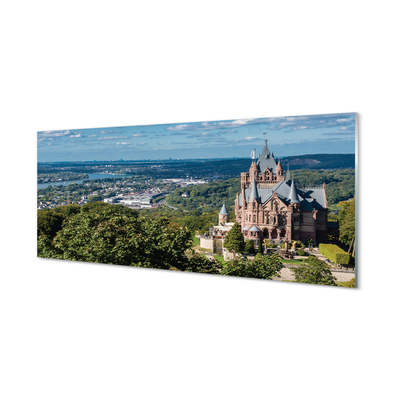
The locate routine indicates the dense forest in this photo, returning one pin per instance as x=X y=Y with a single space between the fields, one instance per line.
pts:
x=340 y=186
x=114 y=234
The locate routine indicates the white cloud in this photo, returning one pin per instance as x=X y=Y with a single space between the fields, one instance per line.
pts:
x=77 y=135
x=113 y=138
x=139 y=135
x=242 y=121
x=177 y=127
x=51 y=134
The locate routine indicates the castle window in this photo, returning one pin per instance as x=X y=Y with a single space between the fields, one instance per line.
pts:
x=254 y=218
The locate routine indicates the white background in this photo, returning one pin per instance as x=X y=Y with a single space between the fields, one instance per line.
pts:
x=83 y=331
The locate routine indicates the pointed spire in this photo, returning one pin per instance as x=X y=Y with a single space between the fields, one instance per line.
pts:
x=287 y=179
x=254 y=192
x=293 y=194
x=223 y=211
x=266 y=159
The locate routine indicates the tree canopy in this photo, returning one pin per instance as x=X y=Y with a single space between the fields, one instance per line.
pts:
x=105 y=235
x=262 y=267
x=234 y=240
x=347 y=221
x=314 y=271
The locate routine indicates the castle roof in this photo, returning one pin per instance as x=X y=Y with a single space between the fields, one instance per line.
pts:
x=293 y=193
x=287 y=174
x=266 y=160
x=305 y=196
x=254 y=229
x=254 y=192
x=223 y=211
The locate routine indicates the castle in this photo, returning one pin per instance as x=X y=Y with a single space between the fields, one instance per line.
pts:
x=270 y=206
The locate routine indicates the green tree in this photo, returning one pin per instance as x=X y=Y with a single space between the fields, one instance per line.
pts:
x=100 y=206
x=49 y=222
x=200 y=263
x=234 y=240
x=315 y=272
x=249 y=246
x=107 y=237
x=310 y=242
x=351 y=283
x=260 y=249
x=262 y=267
x=68 y=210
x=94 y=198
x=347 y=221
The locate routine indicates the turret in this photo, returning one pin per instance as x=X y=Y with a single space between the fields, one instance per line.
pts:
x=253 y=170
x=223 y=216
x=279 y=169
x=287 y=179
x=254 y=191
x=293 y=194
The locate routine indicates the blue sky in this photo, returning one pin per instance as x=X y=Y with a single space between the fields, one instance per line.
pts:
x=287 y=136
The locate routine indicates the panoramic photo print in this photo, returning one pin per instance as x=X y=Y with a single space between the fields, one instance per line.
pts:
x=267 y=198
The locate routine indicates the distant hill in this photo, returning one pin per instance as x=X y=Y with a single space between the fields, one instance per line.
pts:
x=319 y=161
x=232 y=168
x=209 y=169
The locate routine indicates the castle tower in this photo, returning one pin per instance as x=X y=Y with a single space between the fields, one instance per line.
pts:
x=287 y=179
x=279 y=171
x=223 y=216
x=254 y=192
x=294 y=198
x=266 y=159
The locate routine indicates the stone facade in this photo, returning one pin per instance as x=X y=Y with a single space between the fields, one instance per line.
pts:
x=271 y=207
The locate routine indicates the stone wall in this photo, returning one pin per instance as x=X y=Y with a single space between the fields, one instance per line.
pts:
x=228 y=255
x=207 y=243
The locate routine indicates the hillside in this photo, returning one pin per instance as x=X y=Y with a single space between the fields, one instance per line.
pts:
x=210 y=197
x=319 y=161
x=209 y=169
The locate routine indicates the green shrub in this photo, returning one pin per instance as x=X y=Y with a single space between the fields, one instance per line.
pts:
x=334 y=253
x=249 y=246
x=351 y=283
x=301 y=252
x=262 y=267
x=314 y=271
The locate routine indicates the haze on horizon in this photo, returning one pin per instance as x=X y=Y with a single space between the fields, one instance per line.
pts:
x=287 y=136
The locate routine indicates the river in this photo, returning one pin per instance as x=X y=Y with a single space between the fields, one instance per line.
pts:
x=91 y=176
